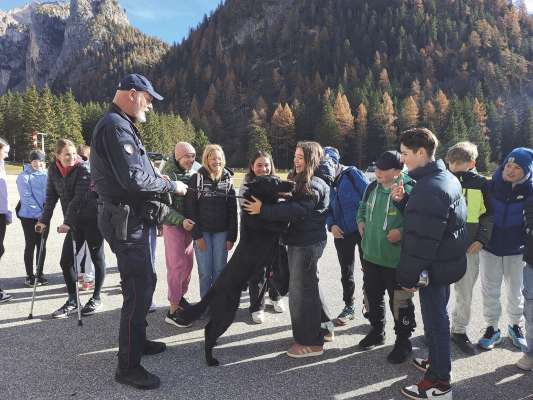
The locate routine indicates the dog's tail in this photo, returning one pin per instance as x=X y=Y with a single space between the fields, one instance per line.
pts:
x=194 y=312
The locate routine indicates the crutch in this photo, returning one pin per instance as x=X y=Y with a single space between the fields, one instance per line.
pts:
x=80 y=323
x=39 y=261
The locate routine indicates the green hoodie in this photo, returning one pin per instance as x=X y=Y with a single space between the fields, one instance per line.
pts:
x=176 y=173
x=380 y=215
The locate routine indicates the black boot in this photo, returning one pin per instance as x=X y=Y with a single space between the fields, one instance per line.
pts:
x=151 y=347
x=376 y=337
x=400 y=352
x=137 y=377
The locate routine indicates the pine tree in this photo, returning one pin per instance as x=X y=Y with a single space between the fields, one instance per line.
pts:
x=387 y=117
x=343 y=114
x=282 y=134
x=409 y=115
x=257 y=141
x=200 y=142
x=328 y=131
x=528 y=128
x=441 y=107
x=30 y=116
x=361 y=135
x=494 y=123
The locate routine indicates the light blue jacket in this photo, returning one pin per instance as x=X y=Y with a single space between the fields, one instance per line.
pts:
x=4 y=202
x=31 y=185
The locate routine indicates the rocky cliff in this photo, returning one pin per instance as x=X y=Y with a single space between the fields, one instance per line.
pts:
x=71 y=46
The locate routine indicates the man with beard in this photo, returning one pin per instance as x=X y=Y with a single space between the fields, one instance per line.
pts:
x=129 y=190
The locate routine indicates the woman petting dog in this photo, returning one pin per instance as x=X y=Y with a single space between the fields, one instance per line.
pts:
x=305 y=239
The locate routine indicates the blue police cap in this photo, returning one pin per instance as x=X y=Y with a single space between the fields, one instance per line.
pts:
x=138 y=82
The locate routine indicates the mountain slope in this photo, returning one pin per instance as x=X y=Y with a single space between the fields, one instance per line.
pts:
x=252 y=55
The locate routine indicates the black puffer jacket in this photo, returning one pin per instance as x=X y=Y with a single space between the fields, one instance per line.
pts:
x=78 y=202
x=306 y=214
x=528 y=216
x=435 y=237
x=212 y=204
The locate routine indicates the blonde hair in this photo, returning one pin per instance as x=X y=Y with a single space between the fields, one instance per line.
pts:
x=462 y=152
x=62 y=143
x=210 y=149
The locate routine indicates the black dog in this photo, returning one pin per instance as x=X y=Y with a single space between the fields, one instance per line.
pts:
x=258 y=247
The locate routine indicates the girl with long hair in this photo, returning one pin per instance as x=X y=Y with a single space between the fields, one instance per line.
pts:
x=305 y=240
x=69 y=182
x=212 y=205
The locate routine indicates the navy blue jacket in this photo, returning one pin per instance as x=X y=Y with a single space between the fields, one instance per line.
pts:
x=120 y=167
x=508 y=233
x=306 y=214
x=344 y=197
x=435 y=237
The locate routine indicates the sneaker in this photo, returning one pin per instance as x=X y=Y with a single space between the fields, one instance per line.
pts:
x=300 y=351
x=490 y=339
x=426 y=389
x=86 y=286
x=29 y=281
x=401 y=350
x=525 y=363
x=184 y=303
x=151 y=348
x=4 y=297
x=329 y=331
x=64 y=310
x=92 y=307
x=346 y=315
x=421 y=364
x=516 y=334
x=153 y=307
x=278 y=305
x=42 y=281
x=463 y=343
x=374 y=338
x=258 y=317
x=176 y=320
x=137 y=377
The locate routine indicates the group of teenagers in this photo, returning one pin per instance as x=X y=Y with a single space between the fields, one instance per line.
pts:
x=421 y=226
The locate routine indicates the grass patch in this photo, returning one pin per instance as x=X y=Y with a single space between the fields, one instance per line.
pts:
x=13 y=168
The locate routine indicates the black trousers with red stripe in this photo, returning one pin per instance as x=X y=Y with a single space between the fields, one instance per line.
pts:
x=135 y=260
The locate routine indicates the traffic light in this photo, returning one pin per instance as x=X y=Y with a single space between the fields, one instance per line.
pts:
x=34 y=140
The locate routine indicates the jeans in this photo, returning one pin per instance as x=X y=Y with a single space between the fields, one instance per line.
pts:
x=304 y=297
x=346 y=254
x=528 y=306
x=212 y=260
x=433 y=303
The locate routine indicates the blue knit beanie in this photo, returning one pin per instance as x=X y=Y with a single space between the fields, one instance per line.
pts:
x=332 y=153
x=523 y=157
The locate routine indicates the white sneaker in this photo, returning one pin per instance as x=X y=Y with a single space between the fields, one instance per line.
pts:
x=258 y=317
x=278 y=305
x=525 y=363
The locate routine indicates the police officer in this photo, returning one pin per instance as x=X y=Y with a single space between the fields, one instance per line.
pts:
x=126 y=183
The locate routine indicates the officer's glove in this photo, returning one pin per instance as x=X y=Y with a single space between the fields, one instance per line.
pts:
x=181 y=188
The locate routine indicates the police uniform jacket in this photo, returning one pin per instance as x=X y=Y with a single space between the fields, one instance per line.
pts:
x=120 y=167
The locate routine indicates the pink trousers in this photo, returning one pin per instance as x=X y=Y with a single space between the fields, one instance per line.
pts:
x=179 y=256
